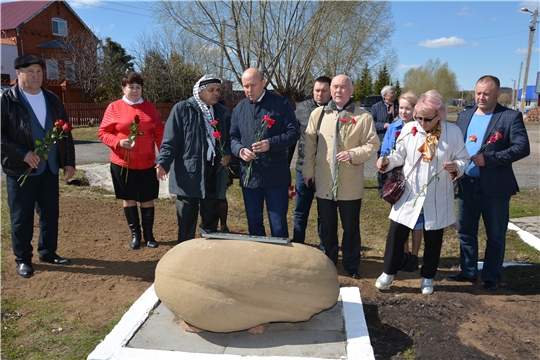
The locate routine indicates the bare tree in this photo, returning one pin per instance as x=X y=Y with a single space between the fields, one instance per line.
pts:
x=80 y=55
x=168 y=65
x=292 y=42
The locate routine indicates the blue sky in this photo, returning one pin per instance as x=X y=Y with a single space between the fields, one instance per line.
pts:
x=475 y=38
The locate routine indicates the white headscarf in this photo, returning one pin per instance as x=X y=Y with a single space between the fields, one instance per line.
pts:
x=199 y=86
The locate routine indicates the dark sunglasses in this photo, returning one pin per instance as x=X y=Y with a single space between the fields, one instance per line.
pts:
x=424 y=120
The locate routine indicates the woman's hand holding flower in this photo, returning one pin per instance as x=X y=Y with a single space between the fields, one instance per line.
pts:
x=126 y=144
x=451 y=166
x=382 y=163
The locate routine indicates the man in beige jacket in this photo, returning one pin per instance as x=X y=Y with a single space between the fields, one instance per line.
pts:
x=338 y=143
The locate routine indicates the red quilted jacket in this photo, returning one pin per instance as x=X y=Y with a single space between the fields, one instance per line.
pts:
x=115 y=127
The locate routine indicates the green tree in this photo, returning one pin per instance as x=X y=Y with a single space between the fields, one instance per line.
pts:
x=397 y=86
x=364 y=85
x=432 y=75
x=383 y=79
x=113 y=65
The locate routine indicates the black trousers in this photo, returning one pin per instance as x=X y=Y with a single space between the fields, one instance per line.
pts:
x=349 y=211
x=42 y=193
x=187 y=211
x=393 y=254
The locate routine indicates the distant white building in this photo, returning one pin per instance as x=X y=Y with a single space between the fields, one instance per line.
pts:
x=8 y=53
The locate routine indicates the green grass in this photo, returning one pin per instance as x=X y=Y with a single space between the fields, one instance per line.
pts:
x=87 y=133
x=40 y=330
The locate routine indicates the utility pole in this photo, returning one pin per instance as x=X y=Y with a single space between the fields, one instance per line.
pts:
x=529 y=51
x=519 y=81
x=513 y=94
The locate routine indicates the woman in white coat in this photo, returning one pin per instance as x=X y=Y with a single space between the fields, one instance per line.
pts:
x=435 y=151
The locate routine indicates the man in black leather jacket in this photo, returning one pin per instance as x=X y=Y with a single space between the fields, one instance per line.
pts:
x=28 y=114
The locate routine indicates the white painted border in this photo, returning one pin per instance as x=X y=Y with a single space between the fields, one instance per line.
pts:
x=112 y=347
x=526 y=236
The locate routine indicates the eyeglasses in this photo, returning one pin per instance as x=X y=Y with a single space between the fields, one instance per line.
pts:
x=424 y=120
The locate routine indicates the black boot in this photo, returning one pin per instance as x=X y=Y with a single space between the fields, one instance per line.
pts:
x=223 y=211
x=147 y=215
x=132 y=216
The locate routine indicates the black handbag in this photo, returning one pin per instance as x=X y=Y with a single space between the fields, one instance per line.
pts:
x=394 y=187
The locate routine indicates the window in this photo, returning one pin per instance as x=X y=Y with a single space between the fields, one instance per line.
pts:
x=52 y=69
x=69 y=70
x=59 y=27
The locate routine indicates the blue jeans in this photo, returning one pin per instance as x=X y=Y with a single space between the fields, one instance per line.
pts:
x=473 y=203
x=277 y=204
x=304 y=199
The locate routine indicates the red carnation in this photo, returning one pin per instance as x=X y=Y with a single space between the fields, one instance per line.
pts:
x=414 y=131
x=136 y=119
x=397 y=134
x=59 y=123
x=217 y=135
x=353 y=121
x=269 y=121
x=214 y=123
x=67 y=127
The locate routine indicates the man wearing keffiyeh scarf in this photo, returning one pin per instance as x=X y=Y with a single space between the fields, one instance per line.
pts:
x=196 y=150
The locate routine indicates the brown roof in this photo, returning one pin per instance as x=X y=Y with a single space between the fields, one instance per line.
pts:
x=17 y=12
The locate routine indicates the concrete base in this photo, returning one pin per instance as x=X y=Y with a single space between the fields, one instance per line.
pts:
x=150 y=331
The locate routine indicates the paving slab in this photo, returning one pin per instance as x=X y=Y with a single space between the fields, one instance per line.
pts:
x=150 y=331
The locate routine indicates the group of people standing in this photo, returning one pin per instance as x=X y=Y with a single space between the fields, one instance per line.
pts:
x=335 y=138
x=476 y=154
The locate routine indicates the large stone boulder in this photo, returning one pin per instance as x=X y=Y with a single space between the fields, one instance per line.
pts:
x=232 y=285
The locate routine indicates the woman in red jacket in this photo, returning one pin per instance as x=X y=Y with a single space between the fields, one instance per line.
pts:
x=132 y=128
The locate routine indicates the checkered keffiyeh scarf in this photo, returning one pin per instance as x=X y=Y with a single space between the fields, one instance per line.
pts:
x=199 y=86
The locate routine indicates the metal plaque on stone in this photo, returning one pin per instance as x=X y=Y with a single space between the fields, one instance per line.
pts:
x=229 y=236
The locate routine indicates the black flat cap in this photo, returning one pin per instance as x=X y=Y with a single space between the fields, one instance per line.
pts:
x=27 y=60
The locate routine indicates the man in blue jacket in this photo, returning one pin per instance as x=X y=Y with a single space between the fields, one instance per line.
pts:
x=489 y=180
x=263 y=126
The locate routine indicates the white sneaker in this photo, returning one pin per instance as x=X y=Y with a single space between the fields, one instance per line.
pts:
x=427 y=286
x=384 y=281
